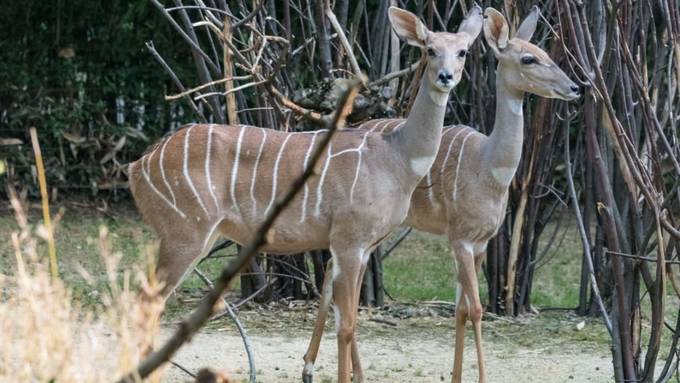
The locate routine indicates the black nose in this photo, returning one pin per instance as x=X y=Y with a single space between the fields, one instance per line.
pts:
x=445 y=77
x=576 y=89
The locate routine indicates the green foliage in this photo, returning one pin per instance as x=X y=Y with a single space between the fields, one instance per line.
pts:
x=63 y=64
x=420 y=269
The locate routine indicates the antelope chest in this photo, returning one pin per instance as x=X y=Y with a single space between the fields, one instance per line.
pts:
x=420 y=165
x=503 y=175
x=478 y=216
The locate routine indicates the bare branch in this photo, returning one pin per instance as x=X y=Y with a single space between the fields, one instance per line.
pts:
x=343 y=40
x=201 y=87
x=175 y=79
x=239 y=326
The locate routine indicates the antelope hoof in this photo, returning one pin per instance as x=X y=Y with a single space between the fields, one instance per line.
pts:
x=307 y=373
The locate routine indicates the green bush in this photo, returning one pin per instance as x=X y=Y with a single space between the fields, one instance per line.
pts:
x=63 y=66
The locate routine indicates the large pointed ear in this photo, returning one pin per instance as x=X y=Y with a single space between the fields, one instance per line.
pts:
x=472 y=24
x=409 y=27
x=496 y=29
x=528 y=26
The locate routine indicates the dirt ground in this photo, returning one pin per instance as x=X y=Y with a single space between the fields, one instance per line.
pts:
x=408 y=350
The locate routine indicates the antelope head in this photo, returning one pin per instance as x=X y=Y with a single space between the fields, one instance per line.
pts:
x=446 y=51
x=526 y=67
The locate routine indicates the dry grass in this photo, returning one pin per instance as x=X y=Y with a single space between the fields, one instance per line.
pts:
x=48 y=337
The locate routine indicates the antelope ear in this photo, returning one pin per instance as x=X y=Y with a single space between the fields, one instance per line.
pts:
x=528 y=26
x=409 y=27
x=496 y=30
x=472 y=24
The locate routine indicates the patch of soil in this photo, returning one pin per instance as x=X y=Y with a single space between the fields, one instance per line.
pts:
x=415 y=349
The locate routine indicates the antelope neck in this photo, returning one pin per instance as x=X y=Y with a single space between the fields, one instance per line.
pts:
x=503 y=148
x=417 y=141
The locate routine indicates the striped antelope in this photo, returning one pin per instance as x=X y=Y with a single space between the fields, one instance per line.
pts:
x=209 y=180
x=465 y=192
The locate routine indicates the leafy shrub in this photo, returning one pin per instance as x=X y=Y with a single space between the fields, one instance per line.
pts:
x=79 y=72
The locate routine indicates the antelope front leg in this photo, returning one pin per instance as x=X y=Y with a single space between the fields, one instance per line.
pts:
x=477 y=320
x=461 y=318
x=322 y=314
x=347 y=268
x=357 y=371
x=313 y=348
x=467 y=278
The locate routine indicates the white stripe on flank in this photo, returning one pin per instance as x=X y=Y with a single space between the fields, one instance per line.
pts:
x=234 y=169
x=207 y=167
x=160 y=164
x=379 y=125
x=398 y=126
x=448 y=152
x=359 y=159
x=186 y=170
x=304 y=167
x=382 y=124
x=344 y=151
x=257 y=161
x=460 y=159
x=356 y=177
x=429 y=187
x=206 y=241
x=374 y=125
x=319 y=189
x=276 y=170
x=153 y=187
x=451 y=129
x=357 y=149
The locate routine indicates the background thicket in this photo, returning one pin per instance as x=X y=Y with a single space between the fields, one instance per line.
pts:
x=79 y=72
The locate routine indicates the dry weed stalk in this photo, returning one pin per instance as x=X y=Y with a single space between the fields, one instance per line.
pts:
x=47 y=336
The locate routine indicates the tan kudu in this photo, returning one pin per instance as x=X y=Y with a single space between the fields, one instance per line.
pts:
x=210 y=180
x=465 y=193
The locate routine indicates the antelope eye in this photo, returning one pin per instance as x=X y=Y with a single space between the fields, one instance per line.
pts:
x=431 y=52
x=528 y=60
x=462 y=53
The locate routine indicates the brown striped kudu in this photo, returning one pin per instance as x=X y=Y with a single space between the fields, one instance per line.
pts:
x=465 y=192
x=207 y=180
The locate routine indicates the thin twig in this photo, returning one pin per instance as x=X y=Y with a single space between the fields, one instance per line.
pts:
x=175 y=79
x=297 y=109
x=186 y=37
x=343 y=40
x=396 y=243
x=200 y=87
x=254 y=13
x=584 y=236
x=641 y=258
x=184 y=369
x=388 y=77
x=230 y=91
x=239 y=326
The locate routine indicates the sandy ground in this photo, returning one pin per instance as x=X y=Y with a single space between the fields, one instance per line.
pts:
x=401 y=354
